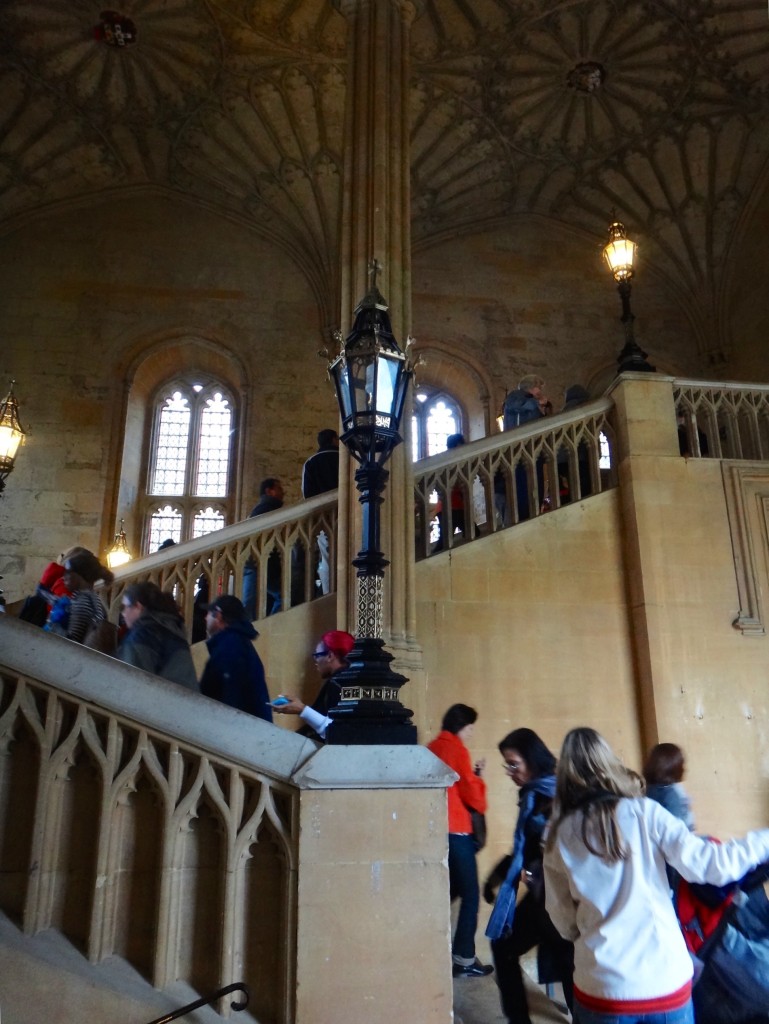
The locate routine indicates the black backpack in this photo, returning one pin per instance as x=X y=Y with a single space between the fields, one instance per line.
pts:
x=34 y=610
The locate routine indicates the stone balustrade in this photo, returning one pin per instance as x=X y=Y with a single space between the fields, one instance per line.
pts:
x=146 y=822
x=502 y=480
x=460 y=495
x=723 y=421
x=217 y=563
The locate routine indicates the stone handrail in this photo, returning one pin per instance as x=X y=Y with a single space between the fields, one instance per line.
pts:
x=510 y=477
x=723 y=420
x=134 y=801
x=215 y=564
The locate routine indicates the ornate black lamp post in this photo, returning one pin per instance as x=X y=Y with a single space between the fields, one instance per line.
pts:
x=371 y=375
x=11 y=434
x=619 y=254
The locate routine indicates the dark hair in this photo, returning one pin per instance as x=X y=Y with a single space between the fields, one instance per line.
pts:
x=455 y=440
x=267 y=484
x=88 y=566
x=575 y=395
x=664 y=765
x=457 y=717
x=326 y=438
x=539 y=760
x=168 y=543
x=230 y=607
x=150 y=596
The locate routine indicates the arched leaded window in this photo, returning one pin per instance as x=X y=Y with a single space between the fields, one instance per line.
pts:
x=436 y=416
x=190 y=461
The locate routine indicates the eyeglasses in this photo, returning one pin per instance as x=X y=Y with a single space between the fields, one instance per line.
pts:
x=512 y=766
x=320 y=654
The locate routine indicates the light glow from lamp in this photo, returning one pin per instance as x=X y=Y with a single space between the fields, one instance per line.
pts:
x=619 y=252
x=11 y=434
x=119 y=554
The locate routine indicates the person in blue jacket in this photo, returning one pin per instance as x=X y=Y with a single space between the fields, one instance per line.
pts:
x=234 y=673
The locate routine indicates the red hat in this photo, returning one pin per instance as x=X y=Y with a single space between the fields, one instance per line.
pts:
x=339 y=642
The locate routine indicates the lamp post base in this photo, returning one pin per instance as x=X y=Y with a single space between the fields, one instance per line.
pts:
x=360 y=730
x=632 y=359
x=369 y=710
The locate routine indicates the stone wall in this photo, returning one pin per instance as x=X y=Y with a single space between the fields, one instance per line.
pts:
x=531 y=628
x=104 y=304
x=90 y=298
x=617 y=613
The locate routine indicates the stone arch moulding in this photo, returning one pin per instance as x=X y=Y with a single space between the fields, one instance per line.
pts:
x=449 y=369
x=150 y=363
x=321 y=276
x=746 y=486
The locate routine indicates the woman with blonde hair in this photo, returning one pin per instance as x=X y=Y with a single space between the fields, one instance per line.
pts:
x=606 y=887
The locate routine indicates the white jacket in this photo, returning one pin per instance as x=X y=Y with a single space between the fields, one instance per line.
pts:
x=627 y=942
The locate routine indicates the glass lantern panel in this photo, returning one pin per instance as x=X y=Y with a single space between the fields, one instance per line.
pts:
x=619 y=254
x=361 y=385
x=386 y=381
x=10 y=439
x=343 y=388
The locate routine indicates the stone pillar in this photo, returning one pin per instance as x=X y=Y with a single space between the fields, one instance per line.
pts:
x=376 y=223
x=362 y=951
x=646 y=449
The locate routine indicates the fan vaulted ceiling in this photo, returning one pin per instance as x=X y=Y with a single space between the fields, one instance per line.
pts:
x=659 y=108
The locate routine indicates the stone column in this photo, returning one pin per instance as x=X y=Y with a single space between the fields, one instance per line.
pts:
x=648 y=463
x=376 y=224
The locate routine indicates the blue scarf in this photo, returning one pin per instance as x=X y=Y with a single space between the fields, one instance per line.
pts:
x=501 y=920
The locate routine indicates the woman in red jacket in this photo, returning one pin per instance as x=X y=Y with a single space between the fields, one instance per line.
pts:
x=468 y=792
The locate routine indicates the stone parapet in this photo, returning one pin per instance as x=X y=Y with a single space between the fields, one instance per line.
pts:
x=145 y=822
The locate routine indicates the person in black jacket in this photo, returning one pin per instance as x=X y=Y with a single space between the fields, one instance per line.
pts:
x=156 y=641
x=321 y=471
x=320 y=474
x=270 y=500
x=234 y=673
x=516 y=926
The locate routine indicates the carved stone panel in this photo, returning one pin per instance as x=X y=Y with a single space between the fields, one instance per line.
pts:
x=746 y=485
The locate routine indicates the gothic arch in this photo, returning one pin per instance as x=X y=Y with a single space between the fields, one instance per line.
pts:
x=447 y=368
x=150 y=363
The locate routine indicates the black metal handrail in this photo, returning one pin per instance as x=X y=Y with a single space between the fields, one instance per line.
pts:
x=235 y=1004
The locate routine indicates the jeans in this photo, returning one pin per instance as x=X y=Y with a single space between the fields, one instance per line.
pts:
x=273 y=603
x=683 y=1016
x=463 y=883
x=531 y=927
x=249 y=589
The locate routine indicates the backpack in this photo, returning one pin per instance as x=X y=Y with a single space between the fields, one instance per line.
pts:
x=34 y=610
